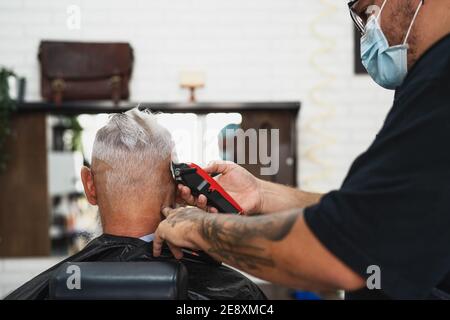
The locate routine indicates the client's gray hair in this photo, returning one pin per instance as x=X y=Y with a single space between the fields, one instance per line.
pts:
x=130 y=147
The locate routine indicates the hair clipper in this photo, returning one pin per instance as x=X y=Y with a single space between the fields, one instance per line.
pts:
x=200 y=182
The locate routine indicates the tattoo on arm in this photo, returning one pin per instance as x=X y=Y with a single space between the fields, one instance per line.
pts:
x=230 y=237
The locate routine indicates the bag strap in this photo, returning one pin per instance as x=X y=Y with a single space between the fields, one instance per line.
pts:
x=58 y=85
x=116 y=85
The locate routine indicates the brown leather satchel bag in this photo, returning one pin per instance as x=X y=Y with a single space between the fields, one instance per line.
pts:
x=85 y=71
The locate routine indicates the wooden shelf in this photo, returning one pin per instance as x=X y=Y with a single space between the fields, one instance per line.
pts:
x=74 y=108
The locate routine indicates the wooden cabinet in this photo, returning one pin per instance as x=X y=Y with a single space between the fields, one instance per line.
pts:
x=24 y=202
x=284 y=121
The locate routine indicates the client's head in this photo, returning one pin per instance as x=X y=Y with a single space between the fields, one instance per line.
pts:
x=130 y=177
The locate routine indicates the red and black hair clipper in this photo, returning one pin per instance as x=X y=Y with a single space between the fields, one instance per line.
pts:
x=200 y=182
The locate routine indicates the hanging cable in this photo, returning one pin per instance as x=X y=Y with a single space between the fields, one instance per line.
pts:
x=325 y=109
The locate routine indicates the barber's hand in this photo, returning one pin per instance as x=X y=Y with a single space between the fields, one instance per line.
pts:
x=237 y=181
x=179 y=230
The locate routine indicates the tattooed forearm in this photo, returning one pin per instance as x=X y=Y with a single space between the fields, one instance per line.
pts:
x=243 y=260
x=237 y=240
x=232 y=237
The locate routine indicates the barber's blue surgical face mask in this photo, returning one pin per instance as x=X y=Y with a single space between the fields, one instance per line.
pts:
x=388 y=66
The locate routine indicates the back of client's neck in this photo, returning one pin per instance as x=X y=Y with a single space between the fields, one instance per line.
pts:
x=128 y=223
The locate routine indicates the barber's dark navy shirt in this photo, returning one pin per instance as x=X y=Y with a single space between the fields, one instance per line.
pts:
x=393 y=209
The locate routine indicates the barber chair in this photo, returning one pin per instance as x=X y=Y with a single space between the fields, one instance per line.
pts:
x=161 y=280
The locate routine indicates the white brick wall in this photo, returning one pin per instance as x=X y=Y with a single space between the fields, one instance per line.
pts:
x=250 y=50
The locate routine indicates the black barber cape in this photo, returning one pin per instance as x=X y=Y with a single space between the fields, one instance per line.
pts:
x=205 y=280
x=393 y=209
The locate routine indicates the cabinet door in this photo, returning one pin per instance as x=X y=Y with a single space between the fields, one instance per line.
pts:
x=285 y=122
x=24 y=207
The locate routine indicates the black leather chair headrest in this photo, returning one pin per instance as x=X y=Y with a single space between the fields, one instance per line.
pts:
x=119 y=280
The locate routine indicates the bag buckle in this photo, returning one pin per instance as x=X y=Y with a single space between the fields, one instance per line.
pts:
x=58 y=85
x=115 y=84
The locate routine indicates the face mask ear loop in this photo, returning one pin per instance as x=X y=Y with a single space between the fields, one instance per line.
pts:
x=381 y=10
x=412 y=22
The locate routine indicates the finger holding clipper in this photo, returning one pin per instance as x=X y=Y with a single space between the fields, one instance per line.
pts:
x=186 y=195
x=202 y=202
x=218 y=167
x=212 y=210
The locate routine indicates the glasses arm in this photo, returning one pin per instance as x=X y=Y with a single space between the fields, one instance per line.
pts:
x=356 y=20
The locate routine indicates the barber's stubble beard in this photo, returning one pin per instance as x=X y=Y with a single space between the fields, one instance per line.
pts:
x=395 y=25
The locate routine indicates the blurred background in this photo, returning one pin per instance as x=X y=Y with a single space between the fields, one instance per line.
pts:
x=291 y=65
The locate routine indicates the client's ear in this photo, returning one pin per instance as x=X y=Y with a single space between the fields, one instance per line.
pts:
x=88 y=184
